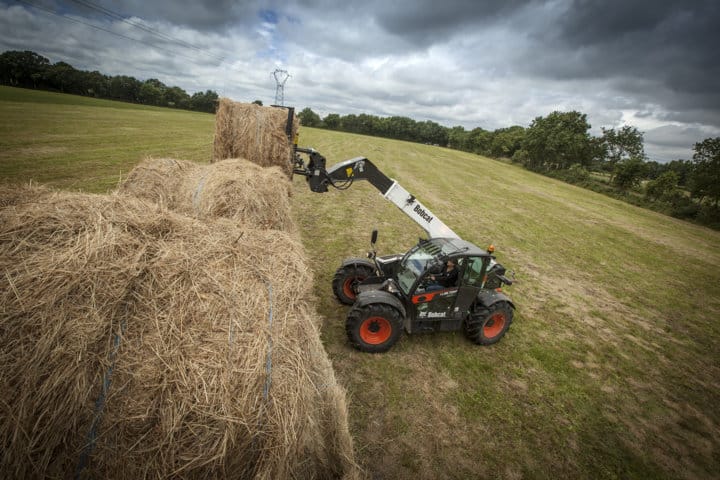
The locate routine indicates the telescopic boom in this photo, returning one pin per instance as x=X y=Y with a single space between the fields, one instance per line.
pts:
x=343 y=174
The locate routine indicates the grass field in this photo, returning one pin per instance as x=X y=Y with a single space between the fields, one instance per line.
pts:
x=610 y=370
x=81 y=143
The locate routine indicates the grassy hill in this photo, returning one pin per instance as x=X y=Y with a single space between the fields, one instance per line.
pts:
x=611 y=368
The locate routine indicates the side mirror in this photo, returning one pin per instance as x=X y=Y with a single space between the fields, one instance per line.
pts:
x=373 y=237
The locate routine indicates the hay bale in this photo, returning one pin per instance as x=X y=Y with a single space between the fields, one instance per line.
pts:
x=234 y=188
x=247 y=130
x=156 y=328
x=12 y=194
x=157 y=179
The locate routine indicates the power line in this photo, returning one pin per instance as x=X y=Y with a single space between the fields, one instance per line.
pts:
x=145 y=28
x=117 y=16
x=39 y=7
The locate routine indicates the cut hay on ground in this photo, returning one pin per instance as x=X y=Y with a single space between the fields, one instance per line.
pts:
x=247 y=130
x=235 y=188
x=136 y=343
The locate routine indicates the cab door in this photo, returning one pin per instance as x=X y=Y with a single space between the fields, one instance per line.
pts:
x=471 y=282
x=437 y=305
x=446 y=308
x=434 y=309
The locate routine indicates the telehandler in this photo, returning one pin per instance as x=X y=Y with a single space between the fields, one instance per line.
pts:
x=392 y=292
x=395 y=292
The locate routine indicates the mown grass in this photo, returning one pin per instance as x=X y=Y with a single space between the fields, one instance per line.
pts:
x=76 y=142
x=610 y=370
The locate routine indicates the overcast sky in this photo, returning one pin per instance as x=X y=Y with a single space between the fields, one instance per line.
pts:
x=653 y=64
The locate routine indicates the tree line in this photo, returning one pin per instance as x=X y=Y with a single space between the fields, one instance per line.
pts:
x=30 y=70
x=560 y=145
x=399 y=128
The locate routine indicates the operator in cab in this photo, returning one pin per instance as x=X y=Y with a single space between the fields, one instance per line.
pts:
x=448 y=278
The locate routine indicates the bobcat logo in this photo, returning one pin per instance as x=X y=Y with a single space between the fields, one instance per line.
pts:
x=423 y=214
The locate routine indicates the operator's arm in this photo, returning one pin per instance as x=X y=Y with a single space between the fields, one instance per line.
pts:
x=446 y=278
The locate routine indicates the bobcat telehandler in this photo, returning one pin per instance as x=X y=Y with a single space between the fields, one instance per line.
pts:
x=392 y=292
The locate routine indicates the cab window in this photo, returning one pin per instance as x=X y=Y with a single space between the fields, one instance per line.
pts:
x=474 y=272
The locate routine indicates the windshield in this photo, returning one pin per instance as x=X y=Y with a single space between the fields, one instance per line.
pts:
x=415 y=263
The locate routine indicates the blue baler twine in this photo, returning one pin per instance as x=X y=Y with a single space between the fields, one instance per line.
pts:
x=99 y=406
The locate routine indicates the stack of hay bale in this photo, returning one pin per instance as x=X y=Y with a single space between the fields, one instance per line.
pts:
x=164 y=331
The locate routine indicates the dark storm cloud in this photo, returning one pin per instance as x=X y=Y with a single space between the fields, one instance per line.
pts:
x=202 y=15
x=432 y=21
x=588 y=22
x=670 y=142
x=671 y=136
x=669 y=44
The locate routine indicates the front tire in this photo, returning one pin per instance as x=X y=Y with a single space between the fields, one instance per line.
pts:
x=487 y=326
x=347 y=279
x=373 y=328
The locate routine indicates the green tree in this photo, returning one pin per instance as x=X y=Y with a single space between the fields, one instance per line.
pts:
x=663 y=187
x=621 y=145
x=401 y=128
x=479 y=141
x=655 y=169
x=521 y=157
x=309 y=118
x=577 y=174
x=349 y=123
x=367 y=124
x=332 y=121
x=507 y=141
x=204 y=102
x=22 y=69
x=151 y=93
x=97 y=84
x=628 y=173
x=558 y=141
x=706 y=172
x=431 y=132
x=684 y=169
x=258 y=102
x=176 y=97
x=62 y=76
x=457 y=138
x=124 y=88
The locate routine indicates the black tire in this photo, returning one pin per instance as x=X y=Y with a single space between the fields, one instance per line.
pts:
x=346 y=280
x=373 y=328
x=486 y=326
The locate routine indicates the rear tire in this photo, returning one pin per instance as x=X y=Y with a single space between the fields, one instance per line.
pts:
x=486 y=326
x=373 y=328
x=347 y=279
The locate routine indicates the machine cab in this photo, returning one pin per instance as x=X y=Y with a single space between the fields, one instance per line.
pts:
x=438 y=299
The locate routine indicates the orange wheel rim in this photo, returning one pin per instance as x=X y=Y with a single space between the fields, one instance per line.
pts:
x=494 y=325
x=375 y=330
x=349 y=286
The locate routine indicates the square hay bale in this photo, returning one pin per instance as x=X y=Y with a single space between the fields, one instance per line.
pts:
x=138 y=343
x=253 y=132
